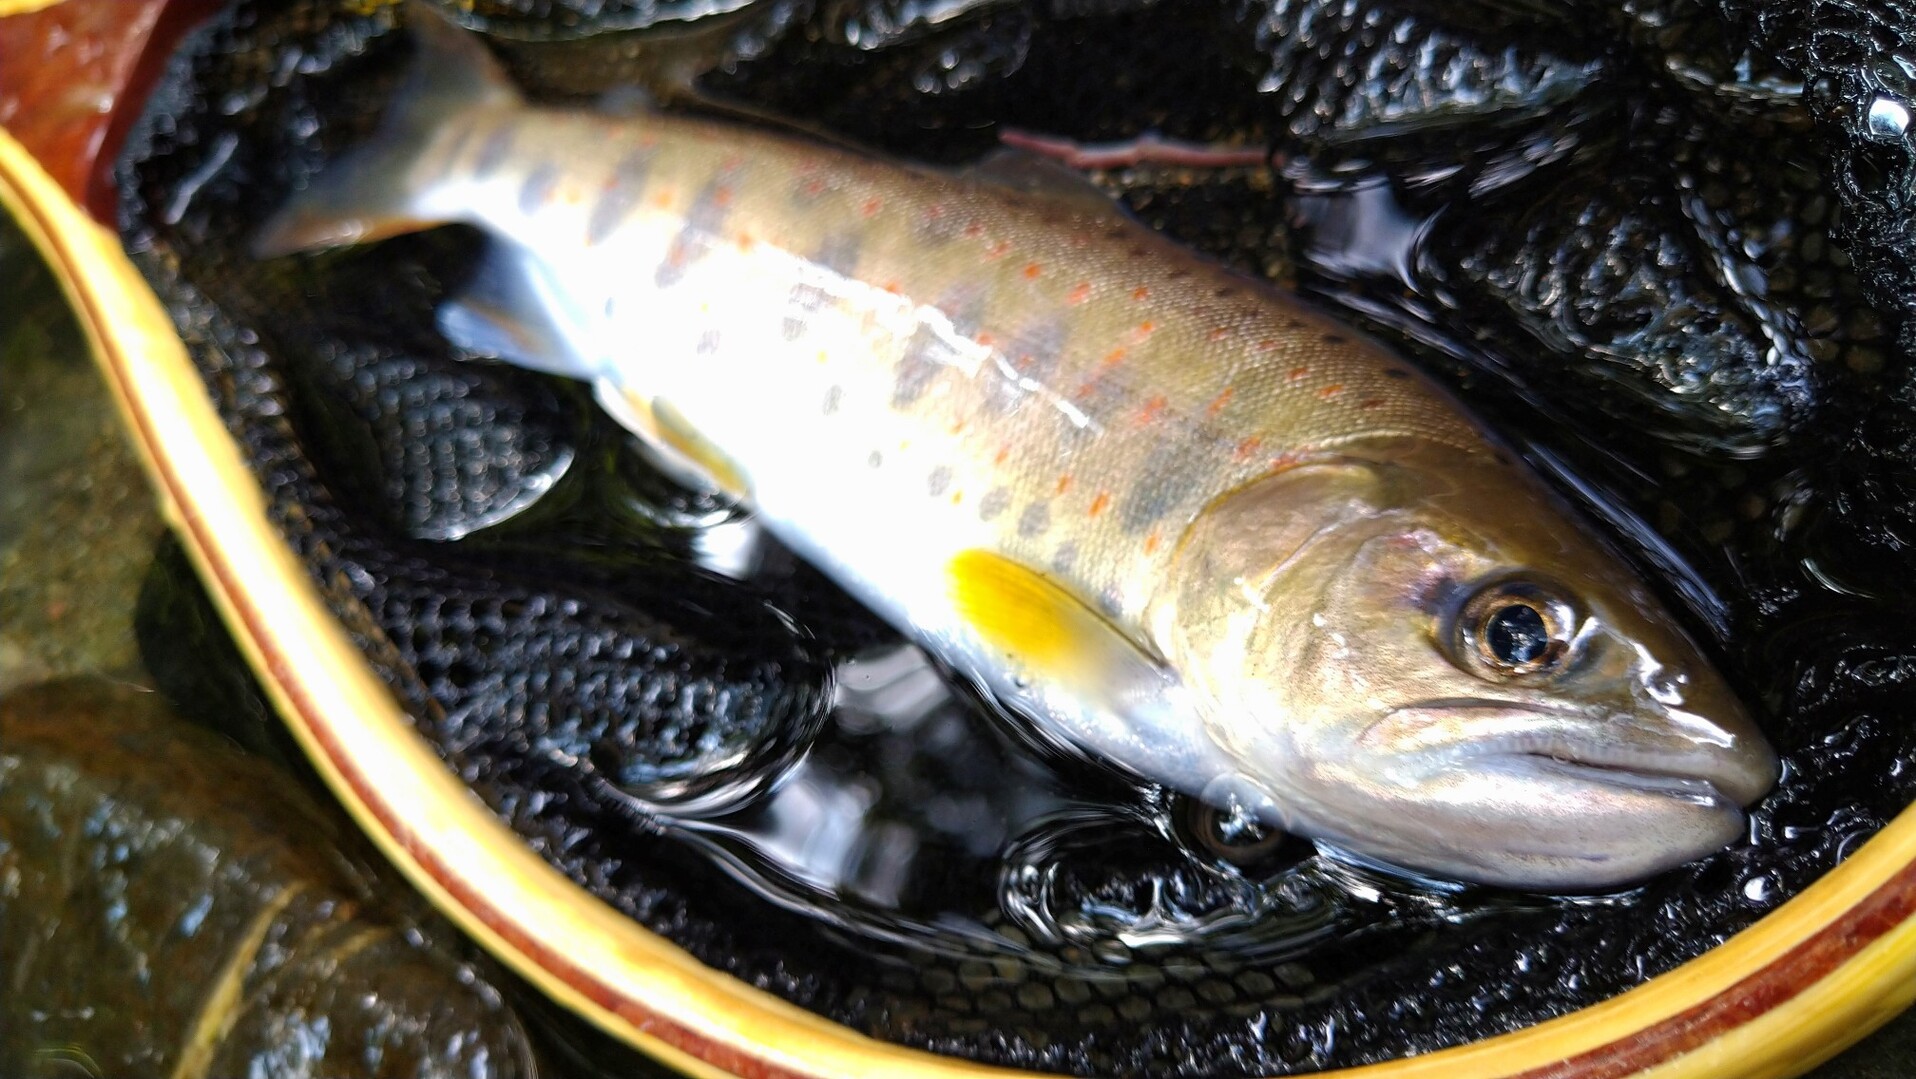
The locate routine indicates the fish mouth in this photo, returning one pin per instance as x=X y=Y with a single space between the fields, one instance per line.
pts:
x=1536 y=739
x=1680 y=786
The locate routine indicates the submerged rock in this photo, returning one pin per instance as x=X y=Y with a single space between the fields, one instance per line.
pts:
x=169 y=906
x=77 y=523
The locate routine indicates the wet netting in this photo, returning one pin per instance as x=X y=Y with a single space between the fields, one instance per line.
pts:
x=1664 y=246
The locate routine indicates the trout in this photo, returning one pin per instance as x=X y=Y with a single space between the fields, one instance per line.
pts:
x=1169 y=515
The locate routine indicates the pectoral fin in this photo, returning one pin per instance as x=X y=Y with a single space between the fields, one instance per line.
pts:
x=1072 y=668
x=1045 y=630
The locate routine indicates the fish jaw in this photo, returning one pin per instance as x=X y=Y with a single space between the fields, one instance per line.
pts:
x=1531 y=795
x=1677 y=750
x=1536 y=822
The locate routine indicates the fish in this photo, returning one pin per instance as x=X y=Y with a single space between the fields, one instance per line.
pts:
x=1171 y=517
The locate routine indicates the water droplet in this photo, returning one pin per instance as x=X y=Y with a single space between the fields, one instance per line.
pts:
x=1888 y=118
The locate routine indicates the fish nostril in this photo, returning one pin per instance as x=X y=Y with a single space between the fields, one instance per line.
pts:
x=1664 y=686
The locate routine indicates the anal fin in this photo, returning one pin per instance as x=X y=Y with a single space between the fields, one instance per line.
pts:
x=673 y=446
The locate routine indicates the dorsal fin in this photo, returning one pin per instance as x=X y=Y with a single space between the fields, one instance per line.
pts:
x=1042 y=177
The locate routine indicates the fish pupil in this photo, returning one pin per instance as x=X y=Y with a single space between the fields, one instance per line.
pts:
x=1517 y=634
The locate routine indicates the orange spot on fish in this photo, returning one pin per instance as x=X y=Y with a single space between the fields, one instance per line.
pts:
x=1370 y=403
x=935 y=211
x=1217 y=403
x=1151 y=410
x=986 y=340
x=893 y=287
x=1218 y=334
x=998 y=249
x=871 y=206
x=1267 y=344
x=973 y=230
x=721 y=197
x=1084 y=390
x=1032 y=270
x=957 y=497
x=1331 y=390
x=1064 y=483
x=813 y=187
x=1113 y=357
x=957 y=425
x=1298 y=373
x=1004 y=454
x=1079 y=293
x=1144 y=330
x=663 y=199
x=1100 y=503
x=1151 y=542
x=1140 y=293
x=746 y=241
x=1247 y=447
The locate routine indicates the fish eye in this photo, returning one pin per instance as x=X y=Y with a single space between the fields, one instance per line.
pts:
x=1513 y=628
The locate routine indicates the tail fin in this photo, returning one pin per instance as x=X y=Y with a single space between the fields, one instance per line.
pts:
x=371 y=192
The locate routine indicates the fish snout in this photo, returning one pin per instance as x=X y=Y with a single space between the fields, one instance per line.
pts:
x=1709 y=734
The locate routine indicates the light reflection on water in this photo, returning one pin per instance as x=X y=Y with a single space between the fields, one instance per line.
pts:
x=869 y=810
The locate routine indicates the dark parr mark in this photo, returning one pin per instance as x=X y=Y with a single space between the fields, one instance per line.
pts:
x=838 y=255
x=493 y=152
x=1162 y=488
x=833 y=395
x=461 y=142
x=1065 y=557
x=708 y=343
x=622 y=194
x=1397 y=373
x=539 y=185
x=1032 y=355
x=995 y=502
x=704 y=221
x=928 y=353
x=1034 y=520
x=938 y=482
x=926 y=356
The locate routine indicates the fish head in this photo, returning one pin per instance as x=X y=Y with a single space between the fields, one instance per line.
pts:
x=1428 y=661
